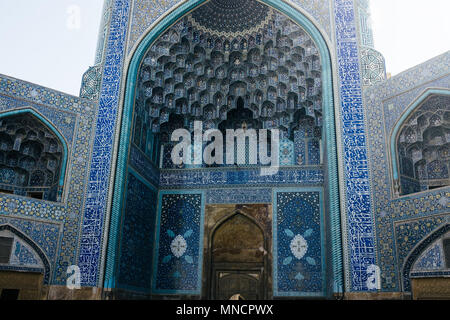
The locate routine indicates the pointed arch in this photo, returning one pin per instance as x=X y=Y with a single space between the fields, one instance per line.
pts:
x=34 y=246
x=417 y=251
x=397 y=129
x=238 y=243
x=300 y=17
x=49 y=125
x=231 y=216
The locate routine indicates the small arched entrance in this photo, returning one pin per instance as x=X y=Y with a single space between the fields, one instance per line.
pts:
x=238 y=260
x=426 y=269
x=24 y=268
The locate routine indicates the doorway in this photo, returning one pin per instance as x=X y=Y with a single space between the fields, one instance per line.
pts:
x=238 y=259
x=243 y=284
x=20 y=285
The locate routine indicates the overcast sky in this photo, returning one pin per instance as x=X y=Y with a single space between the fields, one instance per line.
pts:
x=409 y=32
x=43 y=42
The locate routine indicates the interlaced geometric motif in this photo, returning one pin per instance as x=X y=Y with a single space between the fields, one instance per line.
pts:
x=373 y=67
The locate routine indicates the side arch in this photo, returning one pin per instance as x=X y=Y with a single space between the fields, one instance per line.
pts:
x=34 y=246
x=417 y=251
x=395 y=158
x=48 y=124
x=132 y=67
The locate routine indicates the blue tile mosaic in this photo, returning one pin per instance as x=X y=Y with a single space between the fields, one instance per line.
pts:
x=24 y=256
x=171 y=179
x=203 y=178
x=64 y=121
x=178 y=255
x=360 y=237
x=91 y=242
x=286 y=152
x=41 y=237
x=298 y=244
x=416 y=234
x=137 y=237
x=299 y=148
x=314 y=152
x=71 y=117
x=367 y=184
x=248 y=176
x=244 y=195
x=142 y=164
x=147 y=12
x=395 y=96
x=431 y=259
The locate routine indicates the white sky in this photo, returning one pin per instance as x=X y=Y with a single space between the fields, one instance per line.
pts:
x=41 y=42
x=409 y=32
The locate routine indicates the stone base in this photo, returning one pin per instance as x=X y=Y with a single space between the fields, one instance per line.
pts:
x=63 y=293
x=28 y=284
x=377 y=296
x=431 y=288
x=120 y=294
x=30 y=287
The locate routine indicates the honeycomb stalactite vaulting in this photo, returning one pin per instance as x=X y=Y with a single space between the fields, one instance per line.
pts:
x=30 y=158
x=190 y=74
x=424 y=147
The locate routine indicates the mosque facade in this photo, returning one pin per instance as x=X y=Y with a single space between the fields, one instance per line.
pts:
x=93 y=205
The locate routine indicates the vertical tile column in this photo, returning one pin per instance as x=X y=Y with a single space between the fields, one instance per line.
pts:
x=360 y=229
x=91 y=241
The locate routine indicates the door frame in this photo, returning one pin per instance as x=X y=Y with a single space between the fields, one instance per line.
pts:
x=211 y=269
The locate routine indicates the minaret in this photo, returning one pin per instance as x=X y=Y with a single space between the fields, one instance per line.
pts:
x=103 y=31
x=365 y=23
x=373 y=66
x=91 y=81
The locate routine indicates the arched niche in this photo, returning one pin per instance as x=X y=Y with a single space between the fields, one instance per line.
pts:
x=33 y=156
x=25 y=254
x=412 y=261
x=266 y=84
x=238 y=240
x=420 y=145
x=194 y=103
x=238 y=256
